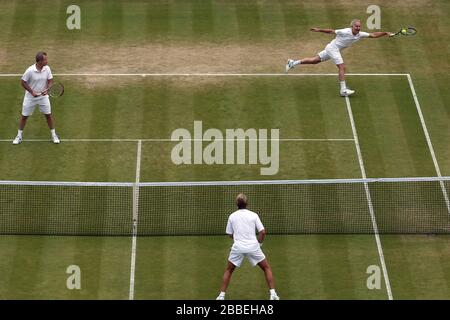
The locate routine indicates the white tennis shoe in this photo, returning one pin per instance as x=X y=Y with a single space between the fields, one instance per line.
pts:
x=274 y=297
x=289 y=65
x=55 y=139
x=347 y=92
x=17 y=140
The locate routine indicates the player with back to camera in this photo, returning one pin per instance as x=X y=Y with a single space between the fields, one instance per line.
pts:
x=344 y=38
x=36 y=80
x=242 y=226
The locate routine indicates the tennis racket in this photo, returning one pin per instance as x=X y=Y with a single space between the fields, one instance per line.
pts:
x=409 y=31
x=54 y=91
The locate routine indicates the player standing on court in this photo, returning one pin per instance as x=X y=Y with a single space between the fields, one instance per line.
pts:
x=36 y=80
x=344 y=38
x=242 y=226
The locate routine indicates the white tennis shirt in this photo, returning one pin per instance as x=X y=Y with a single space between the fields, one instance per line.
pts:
x=345 y=38
x=37 y=80
x=242 y=224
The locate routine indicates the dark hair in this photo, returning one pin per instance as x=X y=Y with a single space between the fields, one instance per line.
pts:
x=40 y=56
x=241 y=201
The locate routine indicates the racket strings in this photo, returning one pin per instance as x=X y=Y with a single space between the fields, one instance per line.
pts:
x=56 y=90
x=411 y=31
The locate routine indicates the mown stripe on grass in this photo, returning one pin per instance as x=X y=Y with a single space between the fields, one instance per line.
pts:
x=202 y=19
x=418 y=266
x=434 y=97
x=295 y=18
x=24 y=21
x=106 y=117
x=157 y=20
x=26 y=268
x=7 y=18
x=249 y=20
x=180 y=20
x=112 y=20
x=412 y=132
x=386 y=120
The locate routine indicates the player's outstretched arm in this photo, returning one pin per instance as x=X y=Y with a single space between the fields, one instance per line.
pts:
x=322 y=30
x=379 y=34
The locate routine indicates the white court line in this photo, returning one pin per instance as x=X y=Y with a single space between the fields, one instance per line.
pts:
x=207 y=74
x=427 y=136
x=369 y=200
x=135 y=219
x=170 y=140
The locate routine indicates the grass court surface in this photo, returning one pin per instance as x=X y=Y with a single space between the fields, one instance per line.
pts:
x=103 y=119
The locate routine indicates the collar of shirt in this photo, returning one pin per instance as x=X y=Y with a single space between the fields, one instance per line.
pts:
x=36 y=69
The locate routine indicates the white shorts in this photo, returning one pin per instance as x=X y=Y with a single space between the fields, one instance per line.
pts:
x=254 y=257
x=29 y=104
x=333 y=53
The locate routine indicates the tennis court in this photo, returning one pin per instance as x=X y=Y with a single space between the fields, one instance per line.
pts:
x=164 y=255
x=115 y=130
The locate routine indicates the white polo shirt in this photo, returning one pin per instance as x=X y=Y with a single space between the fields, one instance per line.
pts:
x=37 y=80
x=243 y=224
x=345 y=38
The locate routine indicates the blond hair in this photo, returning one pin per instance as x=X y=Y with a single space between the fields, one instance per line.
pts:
x=354 y=21
x=241 y=201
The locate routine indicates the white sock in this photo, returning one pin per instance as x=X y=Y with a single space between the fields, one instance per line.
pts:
x=222 y=294
x=297 y=62
x=343 y=85
x=53 y=132
x=19 y=132
x=272 y=292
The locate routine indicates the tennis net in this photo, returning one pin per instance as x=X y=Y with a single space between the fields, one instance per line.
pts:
x=348 y=206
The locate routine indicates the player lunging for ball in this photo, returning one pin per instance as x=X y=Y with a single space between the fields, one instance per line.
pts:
x=344 y=38
x=242 y=226
x=36 y=80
